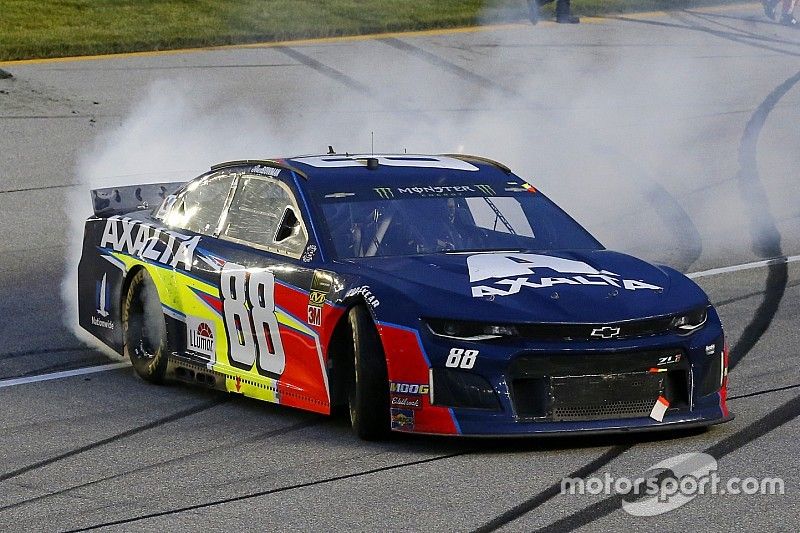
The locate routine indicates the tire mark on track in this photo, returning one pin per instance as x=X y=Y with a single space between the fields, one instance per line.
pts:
x=766 y=241
x=775 y=419
x=552 y=491
x=735 y=299
x=128 y=433
x=764 y=234
x=325 y=70
x=736 y=37
x=268 y=492
x=255 y=438
x=766 y=391
x=46 y=351
x=664 y=204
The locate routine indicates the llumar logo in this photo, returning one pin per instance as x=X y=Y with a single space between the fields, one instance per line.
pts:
x=510 y=272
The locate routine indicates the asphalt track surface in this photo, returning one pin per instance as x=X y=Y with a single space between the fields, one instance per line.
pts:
x=106 y=450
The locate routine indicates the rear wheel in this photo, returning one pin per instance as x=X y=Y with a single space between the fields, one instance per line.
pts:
x=144 y=329
x=368 y=394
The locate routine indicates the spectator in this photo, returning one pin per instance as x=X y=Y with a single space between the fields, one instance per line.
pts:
x=563 y=15
x=787 y=16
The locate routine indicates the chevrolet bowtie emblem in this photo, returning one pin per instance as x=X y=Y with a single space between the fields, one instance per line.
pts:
x=606 y=332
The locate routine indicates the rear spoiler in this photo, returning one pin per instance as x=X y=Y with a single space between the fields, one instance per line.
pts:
x=120 y=200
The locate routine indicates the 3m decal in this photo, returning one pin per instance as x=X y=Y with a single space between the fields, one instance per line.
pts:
x=201 y=337
x=406 y=401
x=510 y=272
x=321 y=285
x=402 y=419
x=141 y=240
x=409 y=388
x=364 y=291
x=248 y=305
x=461 y=358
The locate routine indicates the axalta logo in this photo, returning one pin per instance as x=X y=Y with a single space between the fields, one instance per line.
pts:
x=508 y=273
x=141 y=240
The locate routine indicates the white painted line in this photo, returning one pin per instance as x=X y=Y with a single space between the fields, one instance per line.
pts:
x=745 y=266
x=64 y=374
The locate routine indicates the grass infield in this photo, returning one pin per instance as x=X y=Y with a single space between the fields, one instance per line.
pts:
x=50 y=28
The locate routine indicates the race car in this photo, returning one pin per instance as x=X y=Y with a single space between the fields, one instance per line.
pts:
x=434 y=294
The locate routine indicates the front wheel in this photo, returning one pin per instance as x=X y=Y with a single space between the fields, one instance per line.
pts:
x=368 y=394
x=144 y=329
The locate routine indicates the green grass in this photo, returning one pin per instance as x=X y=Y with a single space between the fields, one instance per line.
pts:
x=41 y=28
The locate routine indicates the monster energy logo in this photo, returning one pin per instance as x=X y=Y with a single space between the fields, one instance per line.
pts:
x=485 y=189
x=384 y=192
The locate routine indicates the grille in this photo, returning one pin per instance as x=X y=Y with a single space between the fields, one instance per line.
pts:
x=592 y=386
x=631 y=409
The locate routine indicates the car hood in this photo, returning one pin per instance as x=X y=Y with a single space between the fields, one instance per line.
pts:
x=588 y=286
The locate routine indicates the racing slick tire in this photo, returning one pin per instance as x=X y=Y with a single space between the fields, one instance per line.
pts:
x=368 y=394
x=144 y=329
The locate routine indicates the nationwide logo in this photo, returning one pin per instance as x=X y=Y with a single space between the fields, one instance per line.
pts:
x=508 y=273
x=108 y=324
x=200 y=336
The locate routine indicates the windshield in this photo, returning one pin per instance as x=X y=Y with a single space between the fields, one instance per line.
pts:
x=412 y=226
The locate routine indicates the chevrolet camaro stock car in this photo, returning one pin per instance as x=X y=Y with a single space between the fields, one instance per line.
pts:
x=436 y=294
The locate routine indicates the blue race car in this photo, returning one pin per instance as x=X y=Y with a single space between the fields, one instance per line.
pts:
x=434 y=294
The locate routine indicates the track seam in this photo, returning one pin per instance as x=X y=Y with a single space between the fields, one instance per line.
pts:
x=552 y=491
x=268 y=492
x=268 y=434
x=128 y=433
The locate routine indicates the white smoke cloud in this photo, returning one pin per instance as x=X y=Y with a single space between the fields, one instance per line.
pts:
x=598 y=125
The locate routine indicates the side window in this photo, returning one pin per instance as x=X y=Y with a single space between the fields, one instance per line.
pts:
x=264 y=213
x=198 y=209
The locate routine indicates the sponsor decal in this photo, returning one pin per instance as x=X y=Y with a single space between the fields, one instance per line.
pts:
x=103 y=297
x=659 y=409
x=409 y=388
x=606 y=332
x=265 y=170
x=528 y=187
x=402 y=419
x=384 y=192
x=321 y=285
x=108 y=324
x=200 y=336
x=710 y=349
x=430 y=190
x=308 y=255
x=499 y=274
x=364 y=291
x=138 y=239
x=406 y=401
